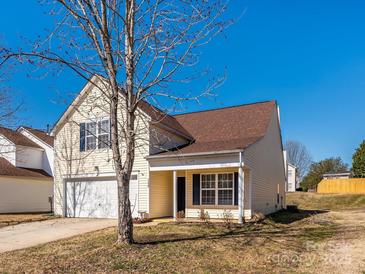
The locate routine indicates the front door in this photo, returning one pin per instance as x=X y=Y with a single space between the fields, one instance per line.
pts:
x=181 y=194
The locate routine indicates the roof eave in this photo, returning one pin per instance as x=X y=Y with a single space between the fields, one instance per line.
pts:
x=22 y=128
x=194 y=154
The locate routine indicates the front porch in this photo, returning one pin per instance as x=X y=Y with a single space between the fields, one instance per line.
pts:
x=219 y=192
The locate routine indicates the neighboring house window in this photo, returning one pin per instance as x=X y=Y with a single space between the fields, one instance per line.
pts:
x=208 y=189
x=95 y=135
x=289 y=173
x=217 y=189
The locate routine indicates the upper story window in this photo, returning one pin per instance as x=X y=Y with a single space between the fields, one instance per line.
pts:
x=95 y=135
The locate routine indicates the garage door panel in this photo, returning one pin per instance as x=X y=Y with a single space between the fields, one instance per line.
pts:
x=97 y=199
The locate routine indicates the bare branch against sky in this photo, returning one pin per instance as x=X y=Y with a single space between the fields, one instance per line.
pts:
x=140 y=50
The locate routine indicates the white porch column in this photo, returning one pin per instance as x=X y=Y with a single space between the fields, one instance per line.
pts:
x=250 y=194
x=241 y=193
x=175 y=193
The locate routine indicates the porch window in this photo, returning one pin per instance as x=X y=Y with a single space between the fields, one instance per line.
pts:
x=225 y=189
x=208 y=189
x=217 y=189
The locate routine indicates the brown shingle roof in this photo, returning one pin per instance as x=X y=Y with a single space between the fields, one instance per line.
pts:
x=7 y=169
x=49 y=140
x=228 y=128
x=159 y=117
x=17 y=138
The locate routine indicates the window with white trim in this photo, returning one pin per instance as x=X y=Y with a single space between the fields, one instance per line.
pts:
x=96 y=135
x=217 y=189
x=104 y=133
x=225 y=189
x=90 y=135
x=208 y=189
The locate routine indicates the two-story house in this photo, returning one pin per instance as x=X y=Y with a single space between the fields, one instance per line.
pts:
x=221 y=160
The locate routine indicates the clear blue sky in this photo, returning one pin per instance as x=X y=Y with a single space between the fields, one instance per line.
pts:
x=309 y=55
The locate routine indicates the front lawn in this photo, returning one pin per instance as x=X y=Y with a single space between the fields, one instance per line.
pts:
x=185 y=247
x=13 y=219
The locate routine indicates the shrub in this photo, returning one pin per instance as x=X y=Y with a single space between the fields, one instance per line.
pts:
x=227 y=218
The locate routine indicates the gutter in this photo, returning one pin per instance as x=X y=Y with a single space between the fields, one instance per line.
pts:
x=194 y=154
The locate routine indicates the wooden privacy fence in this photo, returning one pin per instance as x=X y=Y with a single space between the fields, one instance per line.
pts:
x=352 y=185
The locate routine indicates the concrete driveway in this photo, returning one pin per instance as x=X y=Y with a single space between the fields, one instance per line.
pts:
x=35 y=233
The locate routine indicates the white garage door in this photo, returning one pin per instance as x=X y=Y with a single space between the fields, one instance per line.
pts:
x=98 y=198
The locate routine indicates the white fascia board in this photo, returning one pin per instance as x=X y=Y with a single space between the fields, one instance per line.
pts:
x=193 y=154
x=7 y=139
x=186 y=167
x=40 y=140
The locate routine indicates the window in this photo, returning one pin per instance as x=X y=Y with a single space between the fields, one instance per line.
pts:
x=208 y=189
x=290 y=173
x=90 y=136
x=217 y=189
x=95 y=135
x=225 y=189
x=103 y=134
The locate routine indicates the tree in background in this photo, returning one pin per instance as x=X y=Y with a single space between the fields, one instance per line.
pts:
x=299 y=156
x=358 y=161
x=316 y=171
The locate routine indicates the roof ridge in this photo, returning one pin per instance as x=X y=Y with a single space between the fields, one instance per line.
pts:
x=32 y=128
x=233 y=106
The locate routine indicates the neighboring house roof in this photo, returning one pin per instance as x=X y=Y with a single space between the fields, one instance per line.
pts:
x=157 y=116
x=293 y=166
x=40 y=134
x=7 y=169
x=230 y=128
x=17 y=138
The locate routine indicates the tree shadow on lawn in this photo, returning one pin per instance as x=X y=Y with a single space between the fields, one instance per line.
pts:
x=275 y=226
x=288 y=217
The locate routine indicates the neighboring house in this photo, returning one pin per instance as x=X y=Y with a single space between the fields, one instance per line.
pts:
x=292 y=178
x=26 y=182
x=342 y=175
x=223 y=160
x=292 y=181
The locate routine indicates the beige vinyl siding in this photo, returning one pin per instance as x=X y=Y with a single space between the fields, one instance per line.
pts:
x=21 y=194
x=265 y=160
x=161 y=194
x=69 y=161
x=214 y=211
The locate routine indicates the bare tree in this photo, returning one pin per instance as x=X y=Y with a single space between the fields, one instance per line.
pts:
x=138 y=50
x=299 y=156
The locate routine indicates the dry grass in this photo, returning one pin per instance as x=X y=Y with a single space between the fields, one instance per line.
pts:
x=168 y=248
x=316 y=201
x=283 y=243
x=13 y=219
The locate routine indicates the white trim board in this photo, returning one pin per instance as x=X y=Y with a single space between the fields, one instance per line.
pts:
x=184 y=167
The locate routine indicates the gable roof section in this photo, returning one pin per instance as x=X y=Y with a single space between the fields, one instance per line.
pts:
x=17 y=138
x=225 y=129
x=157 y=116
x=40 y=134
x=7 y=169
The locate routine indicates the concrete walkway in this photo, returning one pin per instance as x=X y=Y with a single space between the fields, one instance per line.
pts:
x=35 y=233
